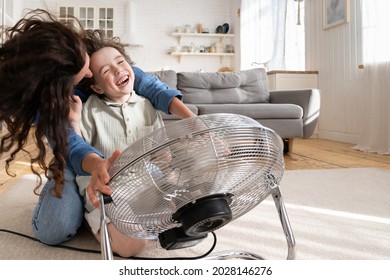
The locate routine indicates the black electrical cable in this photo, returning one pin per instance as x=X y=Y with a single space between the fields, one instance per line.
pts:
x=99 y=252
x=184 y=258
x=59 y=246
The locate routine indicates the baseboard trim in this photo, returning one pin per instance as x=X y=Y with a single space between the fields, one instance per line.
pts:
x=338 y=136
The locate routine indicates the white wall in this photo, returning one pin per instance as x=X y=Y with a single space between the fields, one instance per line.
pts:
x=335 y=53
x=156 y=20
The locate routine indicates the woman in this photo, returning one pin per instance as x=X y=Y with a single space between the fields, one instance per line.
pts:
x=41 y=61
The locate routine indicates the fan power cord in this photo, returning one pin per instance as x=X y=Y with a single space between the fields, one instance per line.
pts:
x=58 y=246
x=183 y=258
x=99 y=252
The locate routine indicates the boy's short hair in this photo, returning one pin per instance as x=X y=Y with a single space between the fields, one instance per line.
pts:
x=96 y=40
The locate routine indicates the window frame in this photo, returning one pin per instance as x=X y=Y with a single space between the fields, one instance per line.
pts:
x=88 y=21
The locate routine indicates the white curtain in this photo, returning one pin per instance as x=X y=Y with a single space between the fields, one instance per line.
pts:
x=375 y=108
x=263 y=27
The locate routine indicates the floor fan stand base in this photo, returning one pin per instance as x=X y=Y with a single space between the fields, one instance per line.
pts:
x=280 y=207
x=222 y=255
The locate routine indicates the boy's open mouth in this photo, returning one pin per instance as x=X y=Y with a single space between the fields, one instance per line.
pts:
x=122 y=81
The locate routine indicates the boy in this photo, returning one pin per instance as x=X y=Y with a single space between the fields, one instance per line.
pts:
x=127 y=117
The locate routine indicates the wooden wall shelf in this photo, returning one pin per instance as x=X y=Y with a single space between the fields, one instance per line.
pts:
x=202 y=35
x=181 y=54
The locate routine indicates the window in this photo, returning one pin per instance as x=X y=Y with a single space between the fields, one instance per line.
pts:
x=91 y=18
x=66 y=14
x=86 y=17
x=375 y=26
x=272 y=34
x=295 y=36
x=106 y=21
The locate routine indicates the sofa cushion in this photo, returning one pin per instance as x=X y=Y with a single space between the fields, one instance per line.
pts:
x=166 y=76
x=248 y=86
x=255 y=111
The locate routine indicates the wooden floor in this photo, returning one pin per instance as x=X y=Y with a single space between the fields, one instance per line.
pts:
x=306 y=154
x=19 y=167
x=323 y=154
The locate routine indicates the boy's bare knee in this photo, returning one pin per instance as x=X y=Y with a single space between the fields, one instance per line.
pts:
x=129 y=248
x=123 y=245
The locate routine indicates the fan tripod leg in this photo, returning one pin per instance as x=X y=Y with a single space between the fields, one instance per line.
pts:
x=105 y=242
x=278 y=199
x=226 y=255
x=277 y=196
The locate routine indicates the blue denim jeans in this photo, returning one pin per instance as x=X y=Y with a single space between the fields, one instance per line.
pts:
x=56 y=220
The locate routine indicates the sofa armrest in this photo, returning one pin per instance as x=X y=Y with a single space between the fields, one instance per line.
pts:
x=308 y=99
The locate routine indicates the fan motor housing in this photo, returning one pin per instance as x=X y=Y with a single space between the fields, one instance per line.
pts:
x=205 y=214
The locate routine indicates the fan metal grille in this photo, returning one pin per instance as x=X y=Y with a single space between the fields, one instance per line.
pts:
x=188 y=160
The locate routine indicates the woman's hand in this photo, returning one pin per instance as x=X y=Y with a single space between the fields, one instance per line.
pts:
x=178 y=108
x=100 y=178
x=75 y=108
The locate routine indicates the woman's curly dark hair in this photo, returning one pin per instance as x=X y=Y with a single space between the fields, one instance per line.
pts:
x=38 y=63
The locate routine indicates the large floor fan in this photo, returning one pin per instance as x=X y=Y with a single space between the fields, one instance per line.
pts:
x=193 y=177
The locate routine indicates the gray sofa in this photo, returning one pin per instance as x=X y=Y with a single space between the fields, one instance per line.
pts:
x=290 y=113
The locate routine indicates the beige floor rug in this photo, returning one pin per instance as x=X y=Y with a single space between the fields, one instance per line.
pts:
x=335 y=214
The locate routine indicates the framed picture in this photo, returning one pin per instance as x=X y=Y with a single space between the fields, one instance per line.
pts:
x=335 y=12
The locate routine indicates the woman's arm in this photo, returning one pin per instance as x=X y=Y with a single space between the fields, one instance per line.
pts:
x=178 y=108
x=162 y=98
x=75 y=109
x=153 y=89
x=78 y=150
x=98 y=168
